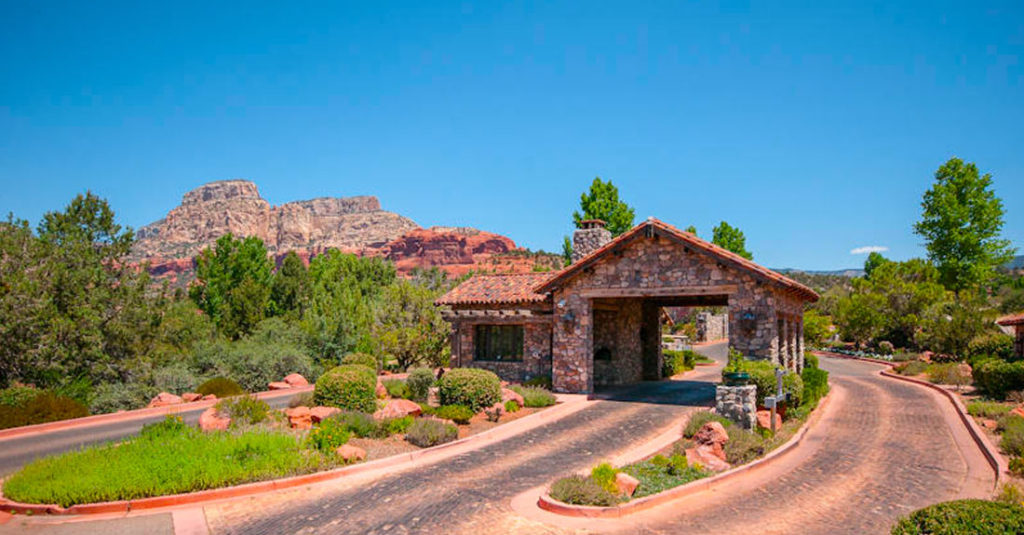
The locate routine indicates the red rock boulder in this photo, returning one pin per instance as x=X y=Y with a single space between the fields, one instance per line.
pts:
x=711 y=433
x=209 y=397
x=319 y=414
x=511 y=395
x=350 y=453
x=299 y=417
x=1018 y=411
x=189 y=397
x=296 y=380
x=210 y=420
x=626 y=484
x=278 y=385
x=764 y=420
x=707 y=457
x=382 y=391
x=164 y=399
x=398 y=408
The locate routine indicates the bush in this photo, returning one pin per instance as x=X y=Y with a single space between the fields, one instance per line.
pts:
x=535 y=396
x=426 y=432
x=915 y=367
x=395 y=426
x=1013 y=435
x=885 y=347
x=328 y=435
x=419 y=382
x=459 y=414
x=744 y=446
x=472 y=387
x=579 y=490
x=996 y=377
x=349 y=386
x=1010 y=493
x=221 y=387
x=248 y=410
x=988 y=409
x=604 y=475
x=362 y=359
x=1017 y=466
x=994 y=344
x=361 y=424
x=176 y=379
x=511 y=406
x=113 y=397
x=963 y=517
x=762 y=374
x=541 y=381
x=699 y=418
x=45 y=407
x=947 y=374
x=17 y=395
x=815 y=385
x=810 y=360
x=397 y=388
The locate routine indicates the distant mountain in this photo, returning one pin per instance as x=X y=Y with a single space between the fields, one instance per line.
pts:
x=851 y=273
x=1016 y=263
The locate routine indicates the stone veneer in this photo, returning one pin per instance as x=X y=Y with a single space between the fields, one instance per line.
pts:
x=712 y=327
x=737 y=403
x=536 y=344
x=617 y=328
x=588 y=240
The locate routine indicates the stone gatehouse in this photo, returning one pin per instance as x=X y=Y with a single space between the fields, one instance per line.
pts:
x=597 y=322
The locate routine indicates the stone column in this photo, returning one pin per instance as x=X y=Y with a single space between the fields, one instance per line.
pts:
x=784 y=342
x=800 y=345
x=572 y=351
x=737 y=403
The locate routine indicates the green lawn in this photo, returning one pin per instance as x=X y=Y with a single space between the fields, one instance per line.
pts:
x=166 y=458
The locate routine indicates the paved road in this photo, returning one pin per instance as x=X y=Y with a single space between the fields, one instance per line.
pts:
x=886 y=448
x=17 y=451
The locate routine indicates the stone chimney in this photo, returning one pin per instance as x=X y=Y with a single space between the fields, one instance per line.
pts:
x=590 y=237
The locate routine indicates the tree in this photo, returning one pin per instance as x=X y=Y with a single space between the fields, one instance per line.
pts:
x=859 y=319
x=731 y=238
x=874 y=261
x=961 y=223
x=692 y=230
x=949 y=327
x=289 y=293
x=602 y=202
x=816 y=327
x=409 y=327
x=567 y=250
x=233 y=281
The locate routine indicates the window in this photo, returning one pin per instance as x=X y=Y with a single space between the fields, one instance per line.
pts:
x=499 y=342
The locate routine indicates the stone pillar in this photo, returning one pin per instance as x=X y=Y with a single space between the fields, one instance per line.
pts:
x=572 y=351
x=590 y=237
x=800 y=346
x=737 y=403
x=784 y=342
x=1019 y=343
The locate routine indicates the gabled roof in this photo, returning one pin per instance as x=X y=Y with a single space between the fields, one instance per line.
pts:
x=661 y=228
x=1012 y=319
x=496 y=289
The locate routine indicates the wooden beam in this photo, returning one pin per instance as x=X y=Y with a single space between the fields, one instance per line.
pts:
x=667 y=291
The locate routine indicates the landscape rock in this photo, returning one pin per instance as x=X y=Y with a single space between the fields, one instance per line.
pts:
x=299 y=417
x=626 y=484
x=707 y=457
x=989 y=424
x=382 y=391
x=926 y=356
x=164 y=399
x=511 y=395
x=296 y=380
x=1018 y=410
x=764 y=420
x=350 y=453
x=319 y=414
x=398 y=408
x=278 y=385
x=210 y=420
x=189 y=397
x=711 y=433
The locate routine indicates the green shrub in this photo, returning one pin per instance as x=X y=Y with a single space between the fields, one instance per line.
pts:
x=762 y=374
x=1013 y=435
x=885 y=347
x=963 y=517
x=395 y=426
x=362 y=359
x=113 y=397
x=472 y=387
x=176 y=379
x=810 y=360
x=992 y=344
x=678 y=464
x=245 y=410
x=349 y=386
x=815 y=385
x=419 y=382
x=459 y=414
x=171 y=426
x=17 y=395
x=535 y=396
x=604 y=475
x=915 y=367
x=579 y=490
x=699 y=418
x=997 y=377
x=361 y=424
x=947 y=374
x=1010 y=493
x=661 y=473
x=541 y=381
x=166 y=459
x=511 y=406
x=1017 y=466
x=328 y=435
x=45 y=407
x=988 y=409
x=397 y=388
x=676 y=362
x=221 y=387
x=744 y=446
x=426 y=432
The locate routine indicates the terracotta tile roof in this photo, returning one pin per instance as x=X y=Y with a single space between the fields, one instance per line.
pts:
x=1012 y=319
x=665 y=229
x=496 y=289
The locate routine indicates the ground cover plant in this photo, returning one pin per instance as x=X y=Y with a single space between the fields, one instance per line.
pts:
x=656 y=474
x=963 y=517
x=534 y=396
x=427 y=432
x=165 y=458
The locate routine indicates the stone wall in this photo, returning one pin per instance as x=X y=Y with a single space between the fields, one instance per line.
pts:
x=737 y=403
x=712 y=326
x=617 y=329
x=536 y=348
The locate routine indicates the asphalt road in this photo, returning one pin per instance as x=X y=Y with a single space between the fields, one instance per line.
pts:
x=15 y=452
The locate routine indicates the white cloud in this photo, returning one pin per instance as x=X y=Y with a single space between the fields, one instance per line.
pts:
x=869 y=249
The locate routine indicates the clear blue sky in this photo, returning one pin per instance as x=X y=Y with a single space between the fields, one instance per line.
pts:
x=813 y=127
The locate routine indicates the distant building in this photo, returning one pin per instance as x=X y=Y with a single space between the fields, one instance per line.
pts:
x=1015 y=322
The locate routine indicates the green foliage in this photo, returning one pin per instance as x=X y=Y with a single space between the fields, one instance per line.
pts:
x=349 y=386
x=994 y=344
x=169 y=427
x=1012 y=441
x=676 y=362
x=961 y=222
x=604 y=475
x=963 y=517
x=579 y=490
x=396 y=426
x=815 y=384
x=511 y=406
x=328 y=435
x=816 y=327
x=245 y=410
x=233 y=281
x=914 y=367
x=221 y=387
x=472 y=387
x=397 y=388
x=1010 y=493
x=45 y=407
x=731 y=238
x=174 y=378
x=602 y=202
x=167 y=459
x=660 y=474
x=874 y=261
x=995 y=378
x=18 y=395
x=419 y=381
x=566 y=250
x=362 y=359
x=1016 y=466
x=947 y=374
x=988 y=409
x=409 y=327
x=426 y=432
x=535 y=396
x=948 y=328
x=885 y=347
x=762 y=374
x=113 y=397
x=459 y=414
x=289 y=290
x=745 y=446
x=541 y=381
x=360 y=424
x=699 y=418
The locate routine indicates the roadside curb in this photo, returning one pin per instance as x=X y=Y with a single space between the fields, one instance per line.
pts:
x=545 y=502
x=569 y=404
x=137 y=414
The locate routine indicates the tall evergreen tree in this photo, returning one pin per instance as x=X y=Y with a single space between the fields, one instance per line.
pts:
x=233 y=281
x=289 y=293
x=602 y=202
x=731 y=238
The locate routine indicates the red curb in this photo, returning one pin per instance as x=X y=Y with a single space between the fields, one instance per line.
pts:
x=248 y=489
x=138 y=414
x=549 y=504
